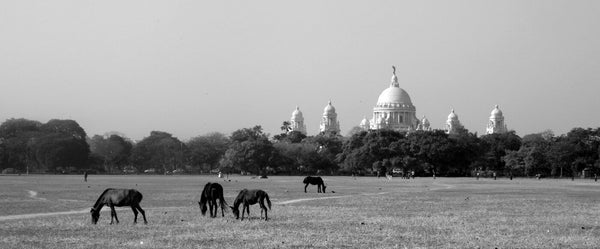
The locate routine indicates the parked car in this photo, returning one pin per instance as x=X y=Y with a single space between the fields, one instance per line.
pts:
x=150 y=171
x=178 y=171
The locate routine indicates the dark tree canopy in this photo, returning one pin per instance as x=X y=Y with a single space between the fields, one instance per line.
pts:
x=160 y=151
x=206 y=151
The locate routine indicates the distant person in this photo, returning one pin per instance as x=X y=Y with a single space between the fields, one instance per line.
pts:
x=85 y=174
x=595 y=177
x=477 y=175
x=494 y=175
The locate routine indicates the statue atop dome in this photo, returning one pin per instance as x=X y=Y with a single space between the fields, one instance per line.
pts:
x=394 y=78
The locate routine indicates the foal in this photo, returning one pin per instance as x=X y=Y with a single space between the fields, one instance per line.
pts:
x=118 y=198
x=251 y=197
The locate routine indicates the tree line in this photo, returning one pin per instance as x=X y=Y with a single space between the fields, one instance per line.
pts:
x=62 y=146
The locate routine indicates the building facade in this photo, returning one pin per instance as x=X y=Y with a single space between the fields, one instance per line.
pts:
x=453 y=125
x=394 y=109
x=496 y=123
x=297 y=121
x=329 y=123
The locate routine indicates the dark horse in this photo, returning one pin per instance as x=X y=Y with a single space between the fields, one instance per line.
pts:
x=211 y=193
x=314 y=181
x=118 y=198
x=251 y=197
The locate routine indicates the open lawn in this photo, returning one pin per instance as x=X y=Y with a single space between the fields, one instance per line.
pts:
x=53 y=212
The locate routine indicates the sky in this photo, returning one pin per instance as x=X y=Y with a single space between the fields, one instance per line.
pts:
x=195 y=67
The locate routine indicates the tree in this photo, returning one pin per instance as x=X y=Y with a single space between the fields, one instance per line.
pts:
x=433 y=148
x=114 y=151
x=15 y=140
x=296 y=158
x=250 y=151
x=206 y=151
x=328 y=147
x=57 y=152
x=499 y=144
x=469 y=149
x=60 y=146
x=372 y=150
x=160 y=151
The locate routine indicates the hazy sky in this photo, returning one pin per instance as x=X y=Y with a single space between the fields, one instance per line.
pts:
x=194 y=67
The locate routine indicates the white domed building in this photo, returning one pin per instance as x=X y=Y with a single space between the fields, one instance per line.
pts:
x=496 y=124
x=329 y=122
x=394 y=109
x=424 y=125
x=297 y=121
x=453 y=125
x=365 y=125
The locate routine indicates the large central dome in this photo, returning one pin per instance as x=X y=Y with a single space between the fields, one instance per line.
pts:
x=394 y=96
x=394 y=109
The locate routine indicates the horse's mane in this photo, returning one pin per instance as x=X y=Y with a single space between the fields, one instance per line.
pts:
x=238 y=200
x=101 y=197
x=204 y=192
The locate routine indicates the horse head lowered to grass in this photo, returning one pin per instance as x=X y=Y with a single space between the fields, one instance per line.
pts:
x=250 y=197
x=211 y=193
x=118 y=198
x=315 y=180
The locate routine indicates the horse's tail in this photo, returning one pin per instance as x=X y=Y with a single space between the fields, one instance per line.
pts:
x=268 y=201
x=223 y=203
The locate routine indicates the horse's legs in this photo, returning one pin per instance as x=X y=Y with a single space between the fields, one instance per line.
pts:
x=222 y=208
x=143 y=213
x=210 y=205
x=216 y=208
x=243 y=209
x=319 y=188
x=135 y=213
x=263 y=208
x=305 y=187
x=113 y=213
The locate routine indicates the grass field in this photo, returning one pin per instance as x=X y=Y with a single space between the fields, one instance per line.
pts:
x=53 y=212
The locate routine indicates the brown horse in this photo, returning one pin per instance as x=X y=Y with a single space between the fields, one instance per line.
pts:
x=211 y=193
x=251 y=197
x=118 y=198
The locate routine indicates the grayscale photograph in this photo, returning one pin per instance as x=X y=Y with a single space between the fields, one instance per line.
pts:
x=299 y=124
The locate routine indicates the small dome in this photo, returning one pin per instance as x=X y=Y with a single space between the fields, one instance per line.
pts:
x=297 y=115
x=364 y=122
x=452 y=115
x=425 y=121
x=496 y=112
x=329 y=109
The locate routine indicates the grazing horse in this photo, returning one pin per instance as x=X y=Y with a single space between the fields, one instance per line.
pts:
x=314 y=181
x=118 y=198
x=251 y=197
x=211 y=193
